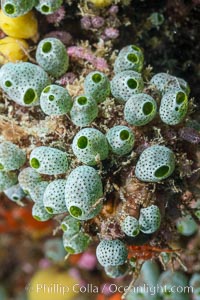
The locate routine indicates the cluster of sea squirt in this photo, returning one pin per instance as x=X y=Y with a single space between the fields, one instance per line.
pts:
x=14 y=9
x=80 y=196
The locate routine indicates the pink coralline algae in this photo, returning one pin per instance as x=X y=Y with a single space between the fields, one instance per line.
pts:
x=110 y=229
x=92 y=22
x=143 y=145
x=63 y=36
x=82 y=53
x=87 y=261
x=67 y=78
x=111 y=33
x=114 y=10
x=106 y=290
x=86 y=23
x=97 y=22
x=57 y=16
x=190 y=135
x=101 y=63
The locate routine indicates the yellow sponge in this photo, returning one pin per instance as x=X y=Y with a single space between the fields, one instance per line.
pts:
x=49 y=284
x=101 y=3
x=12 y=49
x=23 y=27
